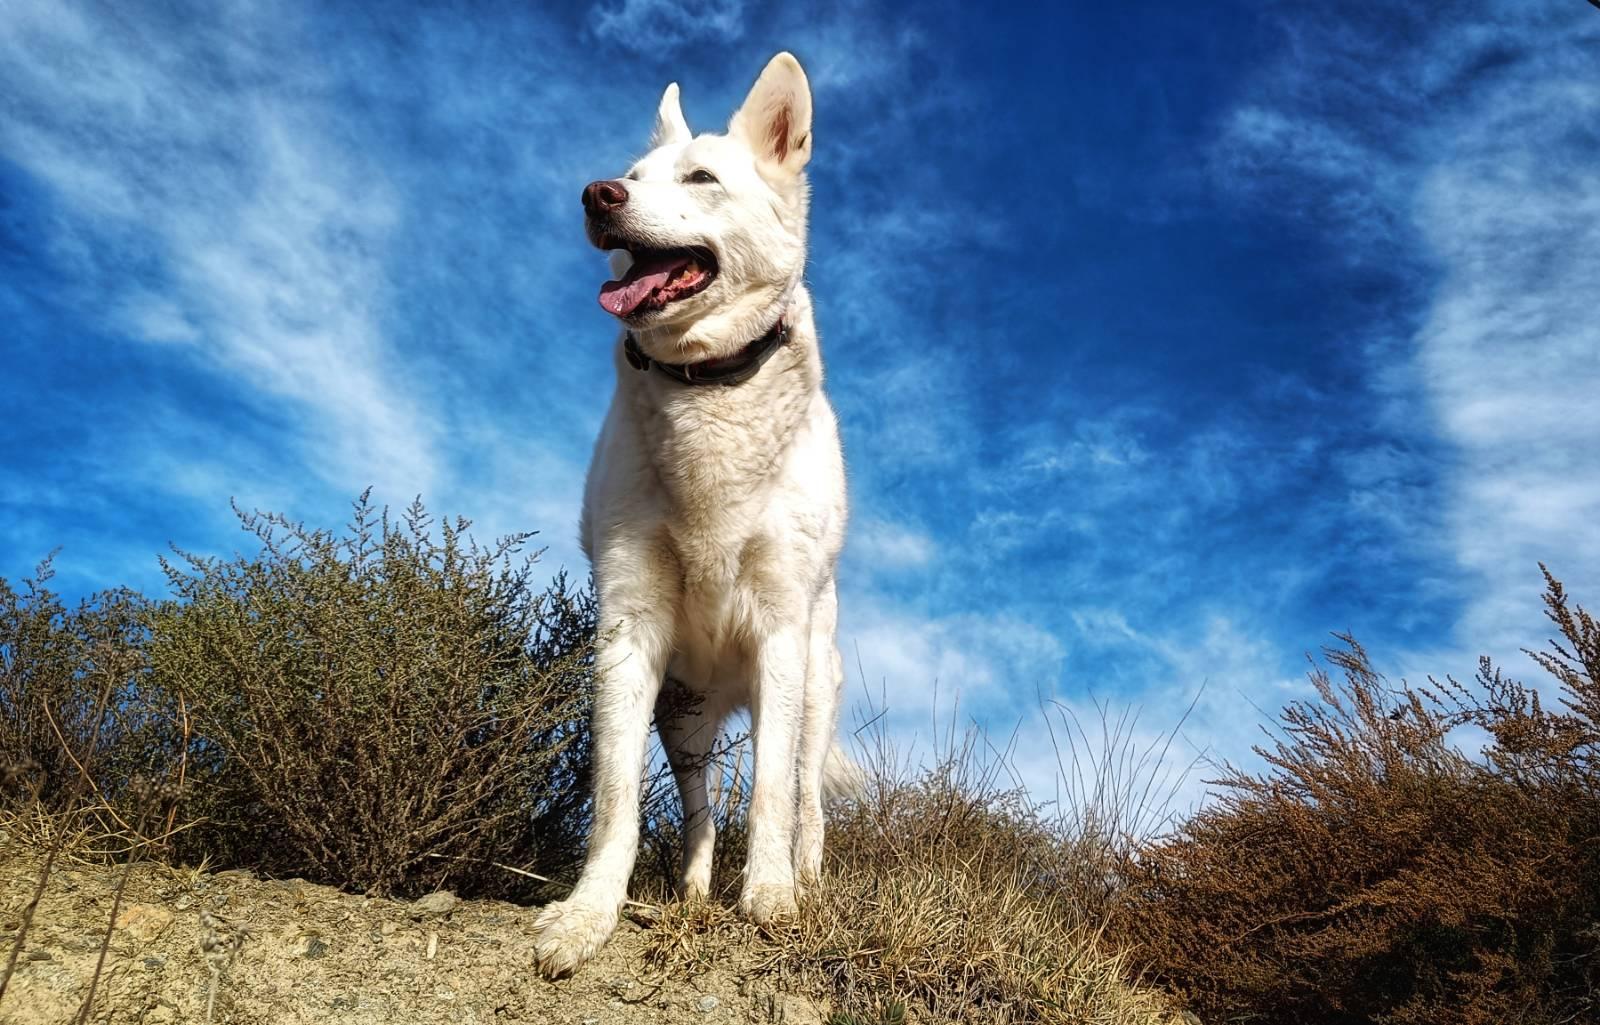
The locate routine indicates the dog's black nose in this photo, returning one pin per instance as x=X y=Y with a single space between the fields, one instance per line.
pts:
x=603 y=197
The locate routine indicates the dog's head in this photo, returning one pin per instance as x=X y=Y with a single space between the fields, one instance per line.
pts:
x=707 y=232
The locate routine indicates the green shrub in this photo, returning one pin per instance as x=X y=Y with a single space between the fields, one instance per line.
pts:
x=1376 y=872
x=384 y=710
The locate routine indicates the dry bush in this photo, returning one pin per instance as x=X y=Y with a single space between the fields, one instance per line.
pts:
x=76 y=729
x=78 y=721
x=1377 y=872
x=385 y=710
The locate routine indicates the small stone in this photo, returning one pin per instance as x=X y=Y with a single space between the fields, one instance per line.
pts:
x=437 y=903
x=707 y=1004
x=144 y=922
x=39 y=955
x=154 y=964
x=315 y=947
x=388 y=928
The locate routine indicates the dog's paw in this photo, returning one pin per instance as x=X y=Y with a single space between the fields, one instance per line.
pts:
x=768 y=903
x=694 y=886
x=568 y=933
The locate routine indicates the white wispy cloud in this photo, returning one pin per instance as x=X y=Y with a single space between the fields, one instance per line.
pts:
x=1266 y=153
x=661 y=26
x=1107 y=480
x=1511 y=352
x=918 y=669
x=885 y=544
x=1473 y=149
x=263 y=230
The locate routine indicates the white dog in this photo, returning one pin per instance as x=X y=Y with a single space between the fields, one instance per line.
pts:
x=714 y=509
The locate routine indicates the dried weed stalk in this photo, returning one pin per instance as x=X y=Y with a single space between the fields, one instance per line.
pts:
x=220 y=942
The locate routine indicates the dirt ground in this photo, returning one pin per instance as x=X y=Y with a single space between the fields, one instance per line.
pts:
x=314 y=954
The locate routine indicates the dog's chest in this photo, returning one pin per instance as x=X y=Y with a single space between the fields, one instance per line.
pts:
x=715 y=453
x=720 y=460
x=724 y=559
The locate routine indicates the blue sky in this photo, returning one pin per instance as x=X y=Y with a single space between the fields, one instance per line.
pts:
x=1167 y=338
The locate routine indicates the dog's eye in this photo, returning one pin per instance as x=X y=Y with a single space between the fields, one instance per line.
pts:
x=701 y=176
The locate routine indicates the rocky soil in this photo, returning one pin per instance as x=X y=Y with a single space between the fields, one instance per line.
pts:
x=314 y=954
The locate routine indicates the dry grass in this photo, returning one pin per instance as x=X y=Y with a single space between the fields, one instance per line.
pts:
x=77 y=720
x=952 y=895
x=31 y=828
x=693 y=936
x=948 y=895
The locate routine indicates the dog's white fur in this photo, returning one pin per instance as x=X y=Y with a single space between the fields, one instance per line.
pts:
x=713 y=517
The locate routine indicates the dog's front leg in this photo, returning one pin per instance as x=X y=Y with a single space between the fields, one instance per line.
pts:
x=824 y=680
x=777 y=709
x=632 y=664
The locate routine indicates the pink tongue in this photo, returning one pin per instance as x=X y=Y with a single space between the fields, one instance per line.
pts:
x=621 y=298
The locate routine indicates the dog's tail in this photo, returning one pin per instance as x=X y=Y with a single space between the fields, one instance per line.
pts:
x=842 y=778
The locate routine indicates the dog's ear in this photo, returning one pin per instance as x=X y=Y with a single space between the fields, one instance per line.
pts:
x=671 y=128
x=775 y=120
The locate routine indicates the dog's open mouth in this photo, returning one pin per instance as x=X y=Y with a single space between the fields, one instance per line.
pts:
x=658 y=277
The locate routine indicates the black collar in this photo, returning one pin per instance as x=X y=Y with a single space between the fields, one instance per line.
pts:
x=728 y=370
